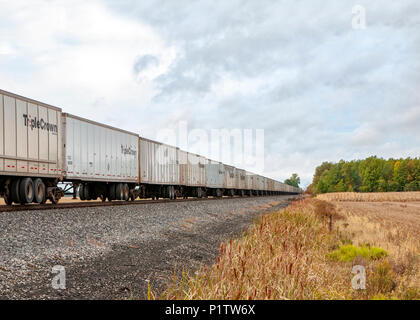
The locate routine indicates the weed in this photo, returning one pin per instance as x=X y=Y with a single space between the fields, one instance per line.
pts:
x=348 y=253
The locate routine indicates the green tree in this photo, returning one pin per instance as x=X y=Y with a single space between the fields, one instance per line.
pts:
x=369 y=175
x=320 y=170
x=401 y=174
x=294 y=180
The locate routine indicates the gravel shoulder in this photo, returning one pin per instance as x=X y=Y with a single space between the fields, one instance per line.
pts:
x=112 y=253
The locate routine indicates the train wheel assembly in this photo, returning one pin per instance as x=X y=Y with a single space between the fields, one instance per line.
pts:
x=199 y=193
x=86 y=191
x=126 y=192
x=39 y=191
x=111 y=193
x=82 y=192
x=119 y=191
x=14 y=191
x=7 y=196
x=26 y=190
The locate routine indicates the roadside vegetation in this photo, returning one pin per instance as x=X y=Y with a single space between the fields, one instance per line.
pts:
x=370 y=175
x=307 y=251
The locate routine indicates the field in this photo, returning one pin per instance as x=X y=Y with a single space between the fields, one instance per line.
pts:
x=308 y=251
x=371 y=197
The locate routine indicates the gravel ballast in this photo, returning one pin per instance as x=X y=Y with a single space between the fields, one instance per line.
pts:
x=114 y=252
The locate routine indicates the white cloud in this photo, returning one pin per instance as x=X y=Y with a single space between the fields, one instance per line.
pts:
x=79 y=55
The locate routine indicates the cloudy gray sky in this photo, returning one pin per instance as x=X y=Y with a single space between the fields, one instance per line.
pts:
x=320 y=89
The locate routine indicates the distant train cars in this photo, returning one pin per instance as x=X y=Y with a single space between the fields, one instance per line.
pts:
x=41 y=146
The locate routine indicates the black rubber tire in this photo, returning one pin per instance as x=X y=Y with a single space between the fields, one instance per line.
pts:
x=126 y=191
x=86 y=191
x=39 y=191
x=82 y=192
x=8 y=199
x=111 y=195
x=27 y=191
x=119 y=191
x=14 y=191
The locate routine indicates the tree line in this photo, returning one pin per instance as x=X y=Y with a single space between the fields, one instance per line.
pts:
x=369 y=175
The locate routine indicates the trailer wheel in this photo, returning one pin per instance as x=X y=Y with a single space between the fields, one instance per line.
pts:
x=7 y=196
x=119 y=191
x=26 y=191
x=126 y=192
x=14 y=191
x=111 y=195
x=39 y=191
x=86 y=192
x=199 y=193
x=82 y=192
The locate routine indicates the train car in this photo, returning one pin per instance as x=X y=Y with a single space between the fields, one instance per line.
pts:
x=40 y=146
x=215 y=172
x=249 y=177
x=260 y=186
x=254 y=183
x=183 y=167
x=242 y=179
x=277 y=187
x=192 y=174
x=241 y=182
x=30 y=150
x=159 y=169
x=102 y=161
x=229 y=182
x=270 y=185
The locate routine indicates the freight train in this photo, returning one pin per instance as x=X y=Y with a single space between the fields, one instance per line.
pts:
x=41 y=146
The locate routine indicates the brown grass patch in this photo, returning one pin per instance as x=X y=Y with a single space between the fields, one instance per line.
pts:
x=286 y=255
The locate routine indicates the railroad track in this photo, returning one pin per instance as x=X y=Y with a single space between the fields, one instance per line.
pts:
x=88 y=204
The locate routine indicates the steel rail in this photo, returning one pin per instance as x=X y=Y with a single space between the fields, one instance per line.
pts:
x=88 y=204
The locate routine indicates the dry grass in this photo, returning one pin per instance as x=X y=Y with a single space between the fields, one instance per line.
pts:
x=287 y=255
x=371 y=197
x=391 y=226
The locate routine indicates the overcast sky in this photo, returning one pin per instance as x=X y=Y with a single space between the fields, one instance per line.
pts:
x=320 y=89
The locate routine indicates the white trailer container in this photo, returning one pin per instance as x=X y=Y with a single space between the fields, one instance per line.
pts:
x=97 y=152
x=229 y=180
x=196 y=170
x=214 y=174
x=30 y=137
x=249 y=180
x=283 y=187
x=183 y=167
x=241 y=182
x=159 y=163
